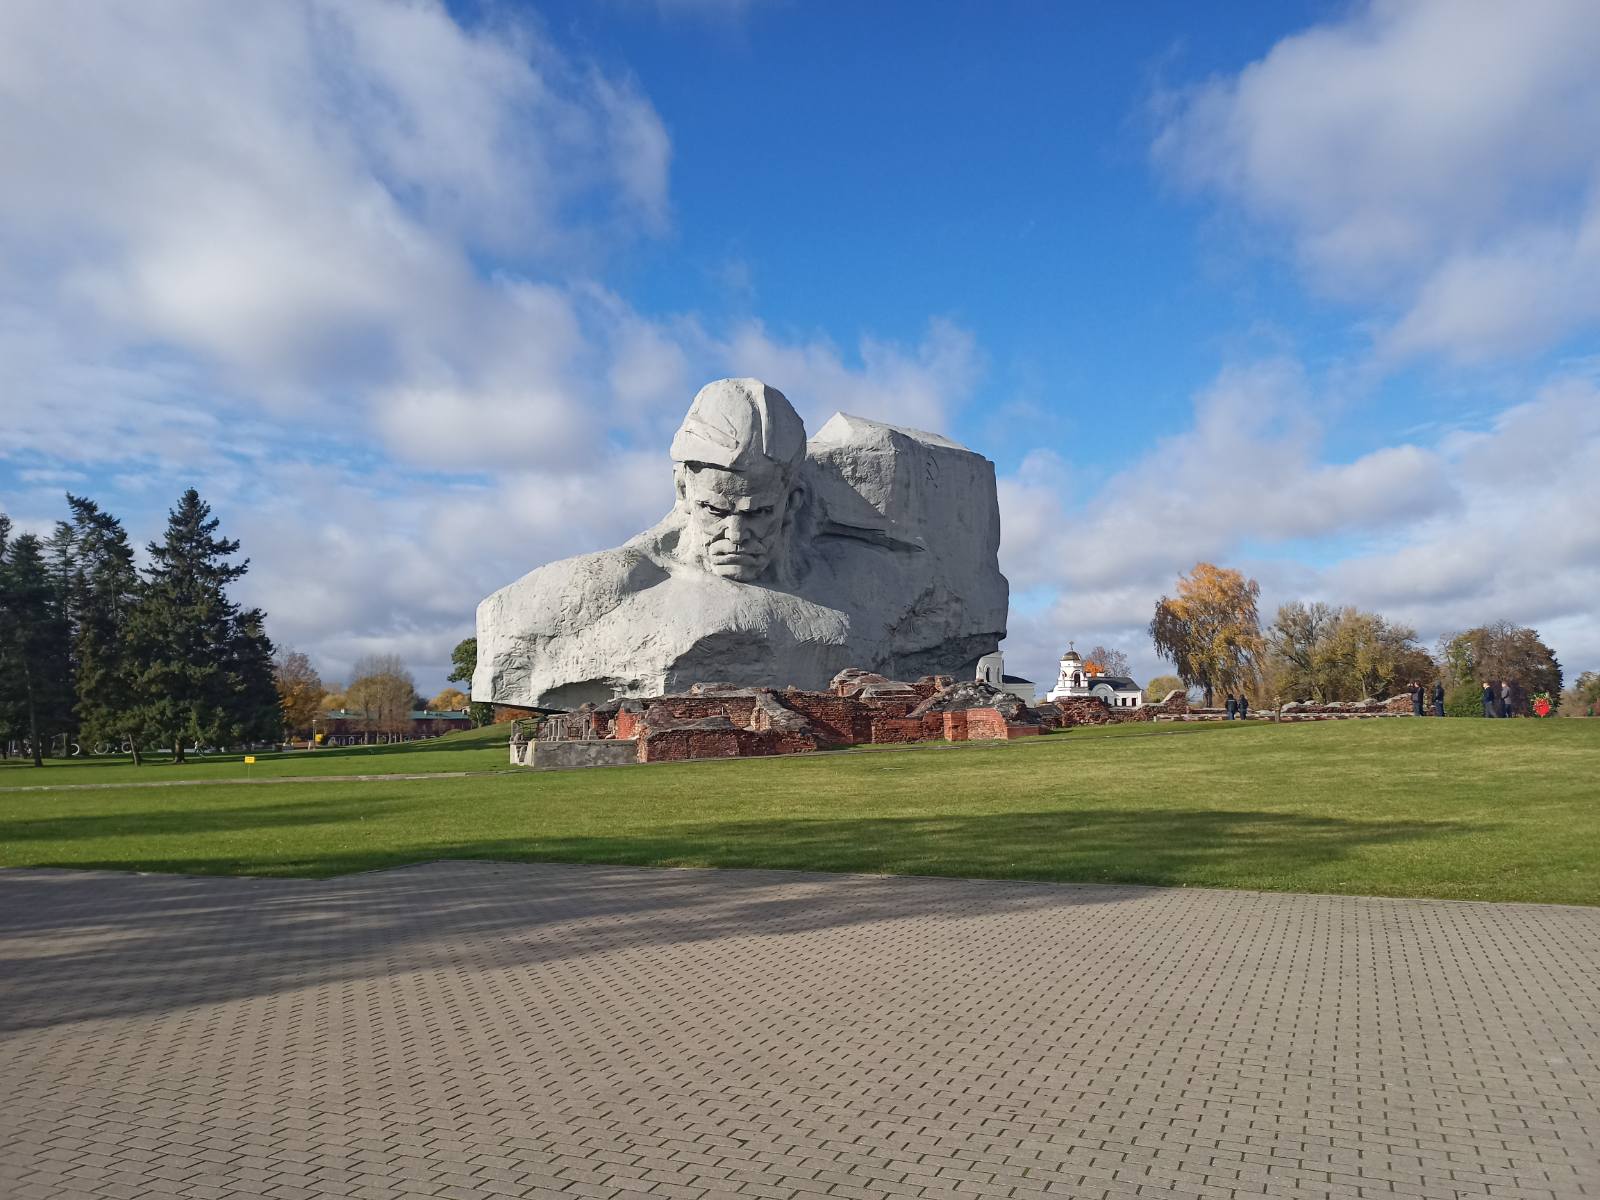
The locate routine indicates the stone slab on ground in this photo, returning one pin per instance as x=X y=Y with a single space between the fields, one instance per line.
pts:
x=487 y=1030
x=583 y=753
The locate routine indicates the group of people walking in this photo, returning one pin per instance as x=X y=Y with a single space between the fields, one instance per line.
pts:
x=1419 y=696
x=1498 y=700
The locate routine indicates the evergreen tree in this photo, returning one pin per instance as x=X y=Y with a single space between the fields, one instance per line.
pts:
x=61 y=558
x=33 y=646
x=201 y=661
x=105 y=588
x=257 y=713
x=11 y=716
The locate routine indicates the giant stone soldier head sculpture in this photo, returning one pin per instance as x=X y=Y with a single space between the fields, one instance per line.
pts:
x=737 y=459
x=781 y=562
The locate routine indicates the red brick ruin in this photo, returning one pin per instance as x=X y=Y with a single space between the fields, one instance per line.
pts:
x=860 y=708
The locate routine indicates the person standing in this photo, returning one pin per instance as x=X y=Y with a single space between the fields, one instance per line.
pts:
x=1232 y=706
x=1505 y=698
x=1488 y=699
x=1416 y=698
x=1244 y=707
x=1438 y=697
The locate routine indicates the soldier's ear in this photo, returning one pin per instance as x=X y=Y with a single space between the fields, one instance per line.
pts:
x=797 y=499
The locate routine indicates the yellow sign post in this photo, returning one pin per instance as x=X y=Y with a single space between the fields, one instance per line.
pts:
x=249 y=760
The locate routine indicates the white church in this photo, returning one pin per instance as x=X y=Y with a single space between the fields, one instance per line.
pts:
x=1114 y=691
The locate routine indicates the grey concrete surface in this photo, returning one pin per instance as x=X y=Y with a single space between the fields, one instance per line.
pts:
x=486 y=1030
x=583 y=754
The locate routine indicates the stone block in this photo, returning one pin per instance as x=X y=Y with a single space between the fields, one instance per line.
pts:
x=587 y=753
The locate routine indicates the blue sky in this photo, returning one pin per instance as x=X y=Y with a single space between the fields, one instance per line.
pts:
x=415 y=293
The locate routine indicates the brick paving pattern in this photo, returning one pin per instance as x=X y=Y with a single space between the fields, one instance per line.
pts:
x=489 y=1030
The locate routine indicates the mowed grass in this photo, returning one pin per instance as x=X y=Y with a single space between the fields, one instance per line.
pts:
x=1500 y=810
x=467 y=750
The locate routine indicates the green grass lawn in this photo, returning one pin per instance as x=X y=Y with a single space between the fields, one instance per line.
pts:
x=469 y=750
x=1502 y=810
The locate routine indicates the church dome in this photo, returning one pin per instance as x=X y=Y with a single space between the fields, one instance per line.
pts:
x=1072 y=656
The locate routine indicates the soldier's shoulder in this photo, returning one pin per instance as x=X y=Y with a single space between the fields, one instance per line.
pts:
x=575 y=591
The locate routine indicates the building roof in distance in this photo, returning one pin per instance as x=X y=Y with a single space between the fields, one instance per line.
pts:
x=420 y=714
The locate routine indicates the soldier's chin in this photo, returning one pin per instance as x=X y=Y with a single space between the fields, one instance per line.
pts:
x=742 y=567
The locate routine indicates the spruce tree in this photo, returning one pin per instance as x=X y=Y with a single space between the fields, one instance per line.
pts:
x=257 y=709
x=11 y=717
x=64 y=569
x=200 y=660
x=33 y=645
x=105 y=588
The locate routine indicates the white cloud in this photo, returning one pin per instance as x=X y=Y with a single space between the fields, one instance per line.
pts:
x=1482 y=525
x=1434 y=156
x=920 y=387
x=296 y=200
x=337 y=263
x=1248 y=468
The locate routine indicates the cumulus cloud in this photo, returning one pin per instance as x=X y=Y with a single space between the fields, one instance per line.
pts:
x=1249 y=467
x=1434 y=156
x=1524 y=542
x=918 y=387
x=339 y=264
x=294 y=206
x=1482 y=524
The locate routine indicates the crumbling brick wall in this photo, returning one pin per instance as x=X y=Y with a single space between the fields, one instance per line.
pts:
x=985 y=725
x=739 y=708
x=990 y=725
x=894 y=730
x=678 y=745
x=1074 y=710
x=840 y=720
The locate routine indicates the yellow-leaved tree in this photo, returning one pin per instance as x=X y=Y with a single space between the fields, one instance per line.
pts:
x=449 y=700
x=1211 y=631
x=299 y=690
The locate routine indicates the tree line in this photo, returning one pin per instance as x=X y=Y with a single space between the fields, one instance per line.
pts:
x=378 y=700
x=99 y=652
x=96 y=649
x=1211 y=632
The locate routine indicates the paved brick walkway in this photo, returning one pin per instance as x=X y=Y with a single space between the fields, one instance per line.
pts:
x=485 y=1030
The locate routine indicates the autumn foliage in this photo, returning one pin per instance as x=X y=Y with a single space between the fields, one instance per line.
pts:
x=1211 y=630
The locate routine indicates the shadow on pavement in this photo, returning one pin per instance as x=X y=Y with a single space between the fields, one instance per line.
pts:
x=80 y=945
